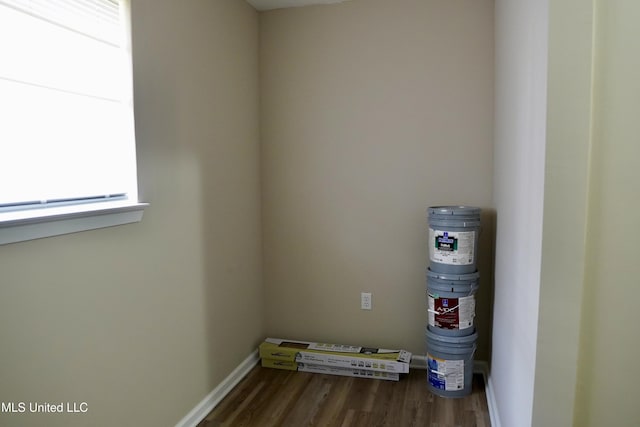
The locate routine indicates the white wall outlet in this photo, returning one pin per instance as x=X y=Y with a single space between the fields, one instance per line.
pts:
x=366 y=302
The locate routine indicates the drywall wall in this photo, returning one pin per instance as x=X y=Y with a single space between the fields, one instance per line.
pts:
x=565 y=207
x=518 y=181
x=142 y=321
x=371 y=111
x=608 y=373
x=585 y=355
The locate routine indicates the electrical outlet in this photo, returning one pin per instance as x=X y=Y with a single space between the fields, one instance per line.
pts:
x=366 y=302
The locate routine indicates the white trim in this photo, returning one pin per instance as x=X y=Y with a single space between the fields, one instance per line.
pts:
x=211 y=400
x=492 y=403
x=482 y=367
x=38 y=223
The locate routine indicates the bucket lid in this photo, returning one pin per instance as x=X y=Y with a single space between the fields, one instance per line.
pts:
x=448 y=277
x=454 y=210
x=467 y=339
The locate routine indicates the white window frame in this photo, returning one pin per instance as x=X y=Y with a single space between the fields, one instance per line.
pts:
x=36 y=223
x=21 y=226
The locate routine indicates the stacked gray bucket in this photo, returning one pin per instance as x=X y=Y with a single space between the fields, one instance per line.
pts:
x=452 y=281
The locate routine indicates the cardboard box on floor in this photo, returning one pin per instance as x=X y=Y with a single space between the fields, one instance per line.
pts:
x=323 y=369
x=336 y=355
x=348 y=372
x=286 y=365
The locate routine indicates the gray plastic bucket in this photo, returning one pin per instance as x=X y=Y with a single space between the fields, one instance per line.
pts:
x=453 y=238
x=450 y=364
x=451 y=302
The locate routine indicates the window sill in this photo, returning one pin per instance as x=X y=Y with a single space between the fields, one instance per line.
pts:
x=34 y=224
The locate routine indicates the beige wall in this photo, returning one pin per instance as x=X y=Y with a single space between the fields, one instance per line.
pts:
x=586 y=365
x=142 y=321
x=565 y=205
x=371 y=111
x=607 y=387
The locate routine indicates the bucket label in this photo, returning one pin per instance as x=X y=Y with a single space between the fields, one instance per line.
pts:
x=452 y=247
x=452 y=313
x=447 y=375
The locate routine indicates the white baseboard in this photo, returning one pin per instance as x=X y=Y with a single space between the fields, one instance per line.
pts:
x=492 y=403
x=483 y=367
x=210 y=401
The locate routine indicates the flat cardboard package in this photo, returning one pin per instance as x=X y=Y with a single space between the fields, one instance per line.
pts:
x=348 y=372
x=287 y=365
x=322 y=369
x=336 y=355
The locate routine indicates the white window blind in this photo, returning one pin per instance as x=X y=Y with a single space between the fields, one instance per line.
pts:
x=66 y=104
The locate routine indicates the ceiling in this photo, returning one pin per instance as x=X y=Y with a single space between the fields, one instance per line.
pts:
x=279 y=4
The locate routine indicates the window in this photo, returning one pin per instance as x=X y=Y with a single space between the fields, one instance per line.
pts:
x=66 y=108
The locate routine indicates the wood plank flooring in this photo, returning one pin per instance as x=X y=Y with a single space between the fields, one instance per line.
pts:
x=272 y=397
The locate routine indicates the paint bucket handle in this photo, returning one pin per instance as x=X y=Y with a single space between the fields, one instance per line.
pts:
x=473 y=352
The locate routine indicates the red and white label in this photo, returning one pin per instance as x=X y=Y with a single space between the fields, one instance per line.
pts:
x=451 y=313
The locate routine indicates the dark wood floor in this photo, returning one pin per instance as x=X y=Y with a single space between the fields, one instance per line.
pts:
x=272 y=397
